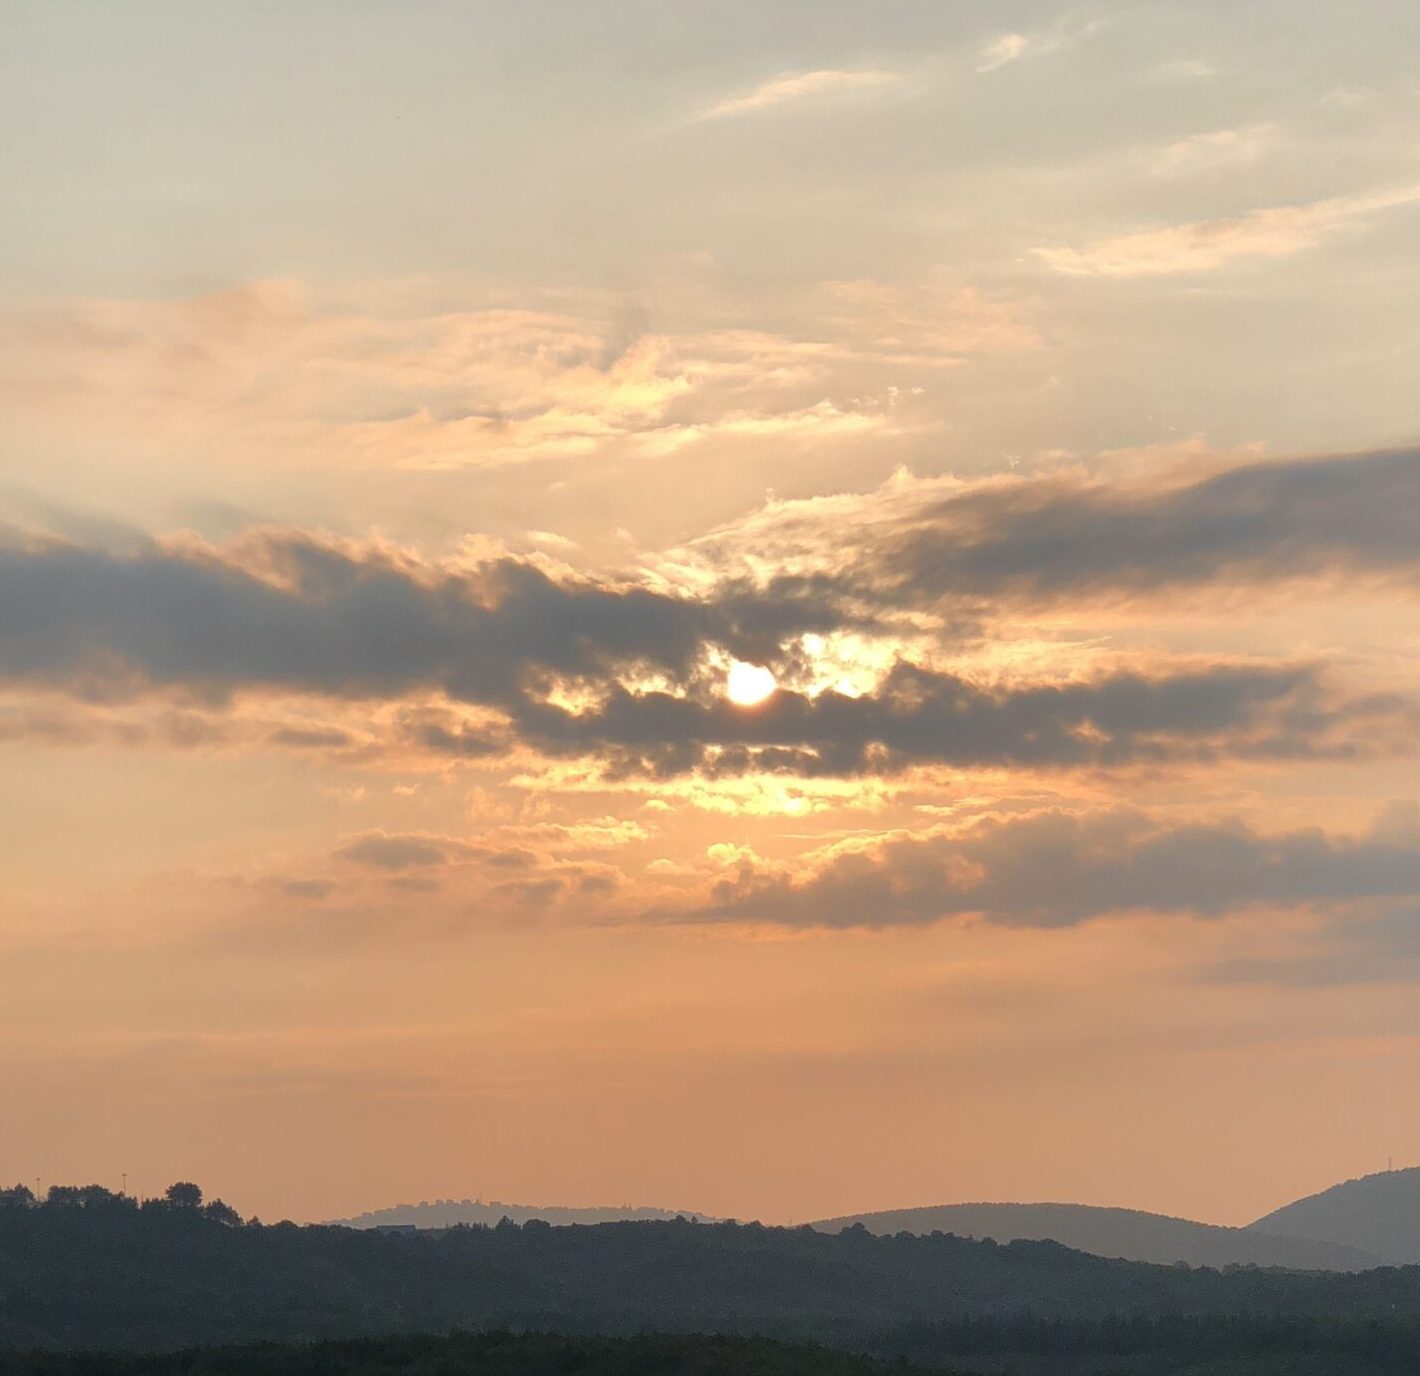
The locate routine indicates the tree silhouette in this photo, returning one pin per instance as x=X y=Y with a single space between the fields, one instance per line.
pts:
x=183 y=1194
x=223 y=1212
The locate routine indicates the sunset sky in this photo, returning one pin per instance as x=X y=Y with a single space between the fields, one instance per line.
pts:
x=418 y=416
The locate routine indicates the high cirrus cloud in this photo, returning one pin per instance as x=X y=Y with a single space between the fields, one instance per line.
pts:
x=1058 y=869
x=1272 y=232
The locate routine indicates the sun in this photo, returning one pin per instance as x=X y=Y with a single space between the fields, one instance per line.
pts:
x=748 y=684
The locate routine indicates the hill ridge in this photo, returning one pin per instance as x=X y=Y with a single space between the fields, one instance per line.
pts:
x=1115 y=1231
x=449 y=1213
x=1379 y=1212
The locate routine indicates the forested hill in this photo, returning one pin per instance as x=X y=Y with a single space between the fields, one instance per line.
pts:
x=106 y=1273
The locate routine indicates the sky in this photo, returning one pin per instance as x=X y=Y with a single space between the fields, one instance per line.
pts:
x=771 y=608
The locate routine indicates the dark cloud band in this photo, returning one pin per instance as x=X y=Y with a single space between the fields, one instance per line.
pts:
x=1058 y=870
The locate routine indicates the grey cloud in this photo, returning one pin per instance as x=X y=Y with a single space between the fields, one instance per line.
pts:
x=1057 y=870
x=310 y=617
x=420 y=851
x=918 y=716
x=534 y=892
x=310 y=738
x=441 y=733
x=513 y=858
x=598 y=885
x=330 y=622
x=1049 y=537
x=382 y=851
x=312 y=889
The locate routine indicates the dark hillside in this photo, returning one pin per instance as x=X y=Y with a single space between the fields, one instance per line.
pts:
x=472 y=1354
x=109 y=1274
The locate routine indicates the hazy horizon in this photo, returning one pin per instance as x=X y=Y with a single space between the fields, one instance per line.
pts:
x=494 y=1200
x=787 y=609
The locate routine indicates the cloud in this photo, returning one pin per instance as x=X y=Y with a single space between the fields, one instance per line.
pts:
x=309 y=616
x=379 y=850
x=1204 y=246
x=473 y=661
x=312 y=890
x=1055 y=536
x=1000 y=51
x=920 y=717
x=798 y=86
x=401 y=851
x=1057 y=869
x=479 y=386
x=1215 y=148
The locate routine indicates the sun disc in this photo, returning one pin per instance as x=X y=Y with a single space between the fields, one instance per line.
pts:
x=748 y=684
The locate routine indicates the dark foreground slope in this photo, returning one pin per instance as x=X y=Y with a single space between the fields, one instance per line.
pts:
x=1377 y=1213
x=1027 y=1348
x=472 y=1354
x=115 y=1276
x=1128 y=1233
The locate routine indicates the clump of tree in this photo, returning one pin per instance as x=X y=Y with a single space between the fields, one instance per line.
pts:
x=181 y=1195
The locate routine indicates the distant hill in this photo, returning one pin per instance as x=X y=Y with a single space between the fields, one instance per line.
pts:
x=449 y=1213
x=1127 y=1233
x=1377 y=1213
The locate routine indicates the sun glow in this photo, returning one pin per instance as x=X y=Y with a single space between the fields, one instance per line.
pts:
x=748 y=684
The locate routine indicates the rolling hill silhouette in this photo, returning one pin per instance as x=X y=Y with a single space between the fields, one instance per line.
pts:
x=1354 y=1226
x=1375 y=1213
x=449 y=1213
x=1128 y=1233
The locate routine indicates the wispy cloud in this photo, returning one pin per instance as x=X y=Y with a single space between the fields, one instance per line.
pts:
x=1213 y=149
x=1002 y=50
x=1205 y=245
x=796 y=86
x=267 y=368
x=1011 y=46
x=1183 y=69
